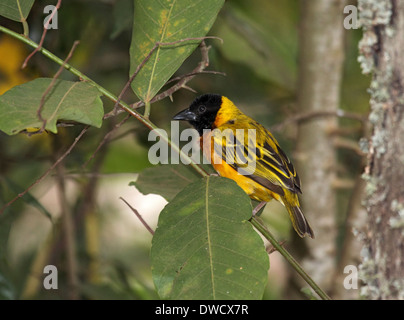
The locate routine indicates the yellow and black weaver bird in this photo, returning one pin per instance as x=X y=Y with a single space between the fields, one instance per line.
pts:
x=272 y=175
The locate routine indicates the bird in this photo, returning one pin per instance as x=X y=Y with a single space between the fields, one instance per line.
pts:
x=256 y=161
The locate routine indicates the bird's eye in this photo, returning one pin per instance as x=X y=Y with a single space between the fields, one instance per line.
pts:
x=201 y=109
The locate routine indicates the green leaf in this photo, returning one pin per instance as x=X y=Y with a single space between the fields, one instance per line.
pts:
x=67 y=100
x=162 y=21
x=205 y=248
x=165 y=180
x=17 y=10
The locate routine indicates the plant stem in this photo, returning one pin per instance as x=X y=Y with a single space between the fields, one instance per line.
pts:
x=109 y=95
x=26 y=28
x=147 y=109
x=23 y=21
x=290 y=259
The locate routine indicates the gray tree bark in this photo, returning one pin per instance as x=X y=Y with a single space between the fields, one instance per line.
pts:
x=321 y=60
x=381 y=48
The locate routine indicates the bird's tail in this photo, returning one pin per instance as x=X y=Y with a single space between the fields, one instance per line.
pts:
x=299 y=221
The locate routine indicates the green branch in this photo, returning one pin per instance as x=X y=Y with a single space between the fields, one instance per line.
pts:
x=290 y=259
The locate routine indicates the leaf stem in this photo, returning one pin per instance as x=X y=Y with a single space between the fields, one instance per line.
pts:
x=289 y=258
x=26 y=27
x=23 y=21
x=147 y=108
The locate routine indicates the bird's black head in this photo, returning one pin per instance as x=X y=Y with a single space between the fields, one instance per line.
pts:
x=202 y=112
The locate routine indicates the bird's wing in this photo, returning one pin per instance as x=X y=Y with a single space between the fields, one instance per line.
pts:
x=259 y=158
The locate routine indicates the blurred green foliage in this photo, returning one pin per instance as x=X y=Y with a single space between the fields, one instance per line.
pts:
x=259 y=58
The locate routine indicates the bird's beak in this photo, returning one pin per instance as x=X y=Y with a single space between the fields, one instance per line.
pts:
x=186 y=115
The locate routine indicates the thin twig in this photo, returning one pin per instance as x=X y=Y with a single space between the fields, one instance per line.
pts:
x=349 y=144
x=46 y=173
x=132 y=77
x=45 y=30
x=138 y=216
x=175 y=43
x=201 y=66
x=147 y=58
x=272 y=249
x=195 y=74
x=48 y=89
x=299 y=118
x=200 y=69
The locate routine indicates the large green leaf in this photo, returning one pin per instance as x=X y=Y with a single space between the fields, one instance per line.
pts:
x=166 y=21
x=165 y=180
x=67 y=100
x=205 y=248
x=17 y=10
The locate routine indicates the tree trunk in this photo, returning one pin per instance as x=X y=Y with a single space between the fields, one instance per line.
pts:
x=321 y=58
x=382 y=268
